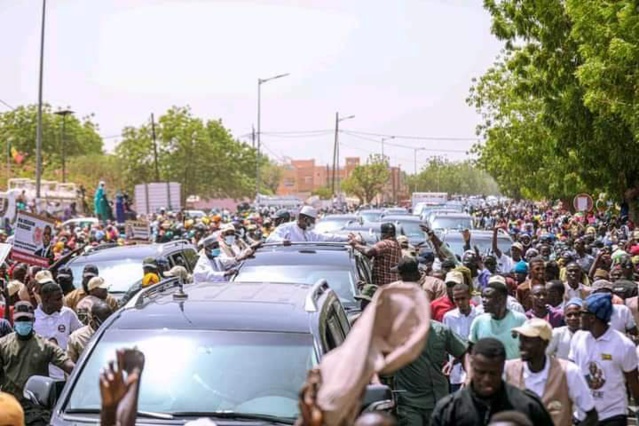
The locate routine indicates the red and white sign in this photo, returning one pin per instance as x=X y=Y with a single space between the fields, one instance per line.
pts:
x=33 y=240
x=582 y=203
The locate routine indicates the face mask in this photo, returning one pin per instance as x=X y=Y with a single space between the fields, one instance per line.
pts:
x=214 y=252
x=23 y=328
x=229 y=239
x=310 y=226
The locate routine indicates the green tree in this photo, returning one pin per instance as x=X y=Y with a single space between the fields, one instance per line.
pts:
x=368 y=180
x=18 y=129
x=460 y=177
x=324 y=193
x=541 y=137
x=201 y=155
x=270 y=176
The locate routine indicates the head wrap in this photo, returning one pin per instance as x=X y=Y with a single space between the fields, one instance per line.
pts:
x=521 y=267
x=600 y=304
x=575 y=301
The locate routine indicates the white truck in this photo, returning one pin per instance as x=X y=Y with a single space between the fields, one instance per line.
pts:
x=420 y=200
x=151 y=197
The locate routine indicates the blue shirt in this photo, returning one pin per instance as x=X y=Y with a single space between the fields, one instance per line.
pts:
x=485 y=325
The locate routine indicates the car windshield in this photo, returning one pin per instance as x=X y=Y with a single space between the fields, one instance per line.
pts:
x=204 y=371
x=340 y=279
x=371 y=216
x=412 y=230
x=484 y=244
x=120 y=274
x=451 y=223
x=331 y=224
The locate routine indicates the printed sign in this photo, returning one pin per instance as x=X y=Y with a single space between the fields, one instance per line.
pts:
x=33 y=240
x=138 y=230
x=582 y=203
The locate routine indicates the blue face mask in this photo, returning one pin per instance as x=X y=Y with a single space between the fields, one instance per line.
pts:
x=23 y=328
x=229 y=239
x=214 y=252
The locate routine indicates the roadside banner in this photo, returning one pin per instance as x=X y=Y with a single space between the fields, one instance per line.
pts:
x=33 y=240
x=138 y=230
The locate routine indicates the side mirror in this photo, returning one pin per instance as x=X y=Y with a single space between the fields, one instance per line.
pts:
x=43 y=391
x=378 y=398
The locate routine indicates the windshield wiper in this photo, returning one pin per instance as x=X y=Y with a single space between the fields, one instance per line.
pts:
x=146 y=414
x=225 y=414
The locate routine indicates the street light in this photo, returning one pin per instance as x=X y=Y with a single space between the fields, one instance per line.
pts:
x=63 y=141
x=261 y=81
x=336 y=149
x=385 y=139
x=39 y=131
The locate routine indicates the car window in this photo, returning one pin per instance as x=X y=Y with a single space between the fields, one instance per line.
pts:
x=191 y=258
x=204 y=371
x=177 y=259
x=335 y=334
x=119 y=274
x=340 y=278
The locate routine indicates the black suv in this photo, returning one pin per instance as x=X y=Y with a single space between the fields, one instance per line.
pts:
x=121 y=266
x=345 y=269
x=237 y=353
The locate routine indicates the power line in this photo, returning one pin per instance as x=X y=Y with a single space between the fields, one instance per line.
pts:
x=403 y=146
x=425 y=138
x=6 y=104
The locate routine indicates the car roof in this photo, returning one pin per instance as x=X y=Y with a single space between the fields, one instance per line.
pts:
x=340 y=216
x=452 y=214
x=302 y=254
x=401 y=218
x=237 y=306
x=123 y=252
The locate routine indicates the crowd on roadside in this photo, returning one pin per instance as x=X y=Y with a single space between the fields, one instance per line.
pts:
x=547 y=328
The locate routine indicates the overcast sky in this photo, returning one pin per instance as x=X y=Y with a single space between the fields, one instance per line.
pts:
x=401 y=67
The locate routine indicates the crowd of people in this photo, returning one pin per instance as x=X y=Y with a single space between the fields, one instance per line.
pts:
x=547 y=328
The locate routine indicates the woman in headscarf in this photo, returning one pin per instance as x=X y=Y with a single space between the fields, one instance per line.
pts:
x=562 y=336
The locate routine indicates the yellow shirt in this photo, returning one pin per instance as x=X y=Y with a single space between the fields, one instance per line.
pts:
x=150 y=279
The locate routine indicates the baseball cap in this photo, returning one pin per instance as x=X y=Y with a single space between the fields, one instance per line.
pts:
x=177 y=271
x=44 y=276
x=518 y=246
x=602 y=285
x=64 y=272
x=23 y=310
x=149 y=262
x=402 y=239
x=281 y=214
x=11 y=412
x=90 y=271
x=497 y=279
x=388 y=228
x=13 y=287
x=227 y=227
x=454 y=277
x=97 y=282
x=367 y=293
x=406 y=265
x=535 y=327
x=309 y=211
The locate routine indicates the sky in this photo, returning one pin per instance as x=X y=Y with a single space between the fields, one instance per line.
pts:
x=402 y=68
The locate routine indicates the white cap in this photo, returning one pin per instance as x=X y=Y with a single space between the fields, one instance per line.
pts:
x=97 y=282
x=309 y=211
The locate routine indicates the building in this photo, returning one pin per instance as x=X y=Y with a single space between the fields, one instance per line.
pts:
x=302 y=177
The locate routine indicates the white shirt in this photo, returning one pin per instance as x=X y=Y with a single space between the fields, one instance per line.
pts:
x=59 y=326
x=460 y=324
x=577 y=388
x=292 y=232
x=622 y=319
x=505 y=264
x=207 y=270
x=560 y=344
x=603 y=362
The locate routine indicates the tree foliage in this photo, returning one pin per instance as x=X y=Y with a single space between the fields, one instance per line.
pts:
x=201 y=155
x=325 y=193
x=461 y=177
x=557 y=105
x=368 y=180
x=18 y=130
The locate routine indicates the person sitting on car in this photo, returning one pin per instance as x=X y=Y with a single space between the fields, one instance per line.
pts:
x=233 y=249
x=151 y=272
x=302 y=230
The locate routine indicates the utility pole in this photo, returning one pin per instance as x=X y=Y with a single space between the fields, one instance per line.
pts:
x=155 y=149
x=253 y=137
x=335 y=154
x=39 y=131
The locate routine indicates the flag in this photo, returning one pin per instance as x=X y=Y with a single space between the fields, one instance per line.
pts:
x=17 y=156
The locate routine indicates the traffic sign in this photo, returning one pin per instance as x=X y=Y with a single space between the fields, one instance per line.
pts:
x=582 y=203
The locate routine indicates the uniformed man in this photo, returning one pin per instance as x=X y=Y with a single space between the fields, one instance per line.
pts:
x=23 y=354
